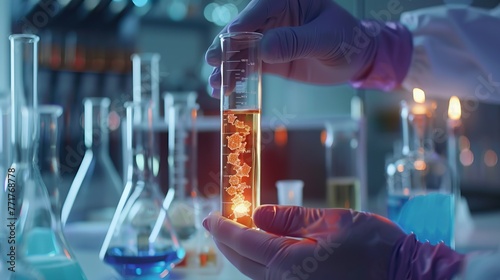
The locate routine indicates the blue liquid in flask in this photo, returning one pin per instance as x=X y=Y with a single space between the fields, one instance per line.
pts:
x=131 y=265
x=395 y=203
x=430 y=217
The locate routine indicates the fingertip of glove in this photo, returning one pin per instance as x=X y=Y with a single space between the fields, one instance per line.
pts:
x=212 y=56
x=264 y=214
x=271 y=50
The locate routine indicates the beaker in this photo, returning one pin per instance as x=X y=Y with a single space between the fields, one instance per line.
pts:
x=241 y=77
x=343 y=183
x=141 y=241
x=38 y=241
x=421 y=192
x=146 y=78
x=180 y=115
x=290 y=192
x=96 y=188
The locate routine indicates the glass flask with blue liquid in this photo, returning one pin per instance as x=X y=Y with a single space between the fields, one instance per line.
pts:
x=141 y=242
x=421 y=189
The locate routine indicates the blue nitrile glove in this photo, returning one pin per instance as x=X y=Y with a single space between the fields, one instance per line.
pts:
x=304 y=243
x=317 y=41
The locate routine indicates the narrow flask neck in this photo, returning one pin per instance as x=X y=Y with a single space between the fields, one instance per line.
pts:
x=146 y=78
x=417 y=127
x=96 y=132
x=48 y=153
x=23 y=69
x=143 y=153
x=421 y=139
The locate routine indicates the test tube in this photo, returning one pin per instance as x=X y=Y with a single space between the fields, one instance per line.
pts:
x=240 y=125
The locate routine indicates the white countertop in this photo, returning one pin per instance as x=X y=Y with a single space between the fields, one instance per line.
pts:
x=476 y=232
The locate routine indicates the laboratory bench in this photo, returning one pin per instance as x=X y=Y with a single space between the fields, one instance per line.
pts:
x=479 y=231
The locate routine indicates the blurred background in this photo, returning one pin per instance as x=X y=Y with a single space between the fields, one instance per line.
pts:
x=85 y=51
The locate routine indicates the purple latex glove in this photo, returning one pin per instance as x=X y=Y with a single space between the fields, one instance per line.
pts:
x=302 y=243
x=320 y=42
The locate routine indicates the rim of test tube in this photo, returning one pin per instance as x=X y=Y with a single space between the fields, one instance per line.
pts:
x=27 y=37
x=247 y=34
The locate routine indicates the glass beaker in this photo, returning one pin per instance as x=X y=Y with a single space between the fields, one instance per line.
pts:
x=343 y=184
x=180 y=115
x=241 y=77
x=421 y=191
x=38 y=239
x=146 y=78
x=96 y=188
x=141 y=241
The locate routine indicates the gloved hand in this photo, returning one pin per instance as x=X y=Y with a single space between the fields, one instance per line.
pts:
x=320 y=42
x=302 y=243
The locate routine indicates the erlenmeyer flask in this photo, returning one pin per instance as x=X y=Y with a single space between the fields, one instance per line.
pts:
x=141 y=241
x=96 y=188
x=38 y=242
x=180 y=116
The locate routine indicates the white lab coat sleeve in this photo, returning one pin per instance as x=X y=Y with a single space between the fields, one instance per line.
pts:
x=456 y=52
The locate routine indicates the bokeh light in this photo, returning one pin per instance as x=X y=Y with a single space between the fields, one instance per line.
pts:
x=466 y=157
x=490 y=158
x=220 y=14
x=177 y=10
x=140 y=3
x=463 y=143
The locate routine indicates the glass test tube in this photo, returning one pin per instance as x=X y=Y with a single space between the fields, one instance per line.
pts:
x=240 y=125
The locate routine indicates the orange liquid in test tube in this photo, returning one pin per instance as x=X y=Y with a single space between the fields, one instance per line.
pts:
x=240 y=165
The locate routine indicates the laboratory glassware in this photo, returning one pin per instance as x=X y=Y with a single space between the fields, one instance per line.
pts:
x=343 y=184
x=38 y=241
x=48 y=154
x=146 y=78
x=421 y=191
x=180 y=115
x=290 y=192
x=141 y=241
x=241 y=77
x=96 y=188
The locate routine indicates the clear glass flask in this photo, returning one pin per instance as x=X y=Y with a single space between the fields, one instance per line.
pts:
x=180 y=115
x=146 y=78
x=48 y=154
x=241 y=77
x=421 y=192
x=38 y=240
x=141 y=241
x=96 y=188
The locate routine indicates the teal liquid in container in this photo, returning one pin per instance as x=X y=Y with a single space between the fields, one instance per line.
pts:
x=45 y=255
x=430 y=217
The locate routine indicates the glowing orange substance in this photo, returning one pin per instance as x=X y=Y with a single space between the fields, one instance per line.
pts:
x=240 y=164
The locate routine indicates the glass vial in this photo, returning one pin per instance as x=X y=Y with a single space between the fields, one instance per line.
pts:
x=141 y=241
x=39 y=241
x=96 y=188
x=421 y=191
x=241 y=77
